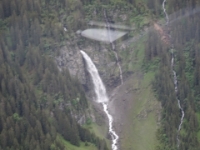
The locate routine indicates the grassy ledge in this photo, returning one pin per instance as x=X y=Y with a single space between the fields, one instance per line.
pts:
x=83 y=145
x=139 y=130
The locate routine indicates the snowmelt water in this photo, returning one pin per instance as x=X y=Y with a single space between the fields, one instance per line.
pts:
x=101 y=96
x=175 y=80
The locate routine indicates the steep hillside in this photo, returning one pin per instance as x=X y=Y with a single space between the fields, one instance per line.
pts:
x=40 y=105
x=176 y=82
x=44 y=82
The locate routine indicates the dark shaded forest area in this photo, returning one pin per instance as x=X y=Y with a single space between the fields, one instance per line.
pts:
x=37 y=101
x=184 y=29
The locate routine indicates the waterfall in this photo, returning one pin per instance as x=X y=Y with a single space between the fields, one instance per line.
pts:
x=166 y=15
x=120 y=69
x=179 y=103
x=113 y=48
x=99 y=88
x=101 y=96
x=174 y=80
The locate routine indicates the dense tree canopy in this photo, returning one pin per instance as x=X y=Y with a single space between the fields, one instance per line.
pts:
x=184 y=31
x=36 y=99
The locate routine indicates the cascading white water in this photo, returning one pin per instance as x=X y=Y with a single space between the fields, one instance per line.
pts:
x=113 y=48
x=99 y=88
x=175 y=79
x=113 y=134
x=166 y=15
x=120 y=69
x=101 y=96
x=179 y=104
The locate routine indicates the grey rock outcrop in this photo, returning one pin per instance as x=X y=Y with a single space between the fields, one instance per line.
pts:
x=71 y=58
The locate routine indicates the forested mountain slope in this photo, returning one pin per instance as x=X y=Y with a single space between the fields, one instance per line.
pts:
x=185 y=41
x=38 y=103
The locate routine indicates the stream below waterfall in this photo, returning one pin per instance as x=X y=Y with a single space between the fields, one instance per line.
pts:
x=175 y=79
x=101 y=96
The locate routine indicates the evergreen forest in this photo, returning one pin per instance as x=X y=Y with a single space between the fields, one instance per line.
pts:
x=39 y=103
x=185 y=38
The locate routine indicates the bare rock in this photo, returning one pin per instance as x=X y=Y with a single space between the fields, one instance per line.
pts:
x=72 y=59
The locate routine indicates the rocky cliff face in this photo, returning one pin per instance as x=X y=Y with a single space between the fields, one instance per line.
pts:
x=71 y=58
x=100 y=53
x=102 y=56
x=104 y=59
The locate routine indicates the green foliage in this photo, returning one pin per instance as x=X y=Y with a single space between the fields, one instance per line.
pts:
x=35 y=96
x=88 y=121
x=16 y=117
x=152 y=65
x=53 y=147
x=187 y=69
x=3 y=25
